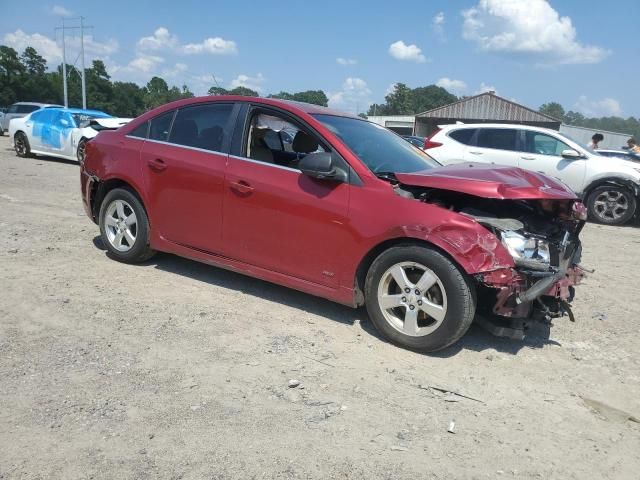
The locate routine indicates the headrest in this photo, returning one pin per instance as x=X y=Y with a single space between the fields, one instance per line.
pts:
x=304 y=143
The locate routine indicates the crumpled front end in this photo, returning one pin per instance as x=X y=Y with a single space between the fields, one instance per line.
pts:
x=541 y=236
x=547 y=254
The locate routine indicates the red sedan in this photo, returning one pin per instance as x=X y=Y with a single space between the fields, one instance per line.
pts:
x=338 y=207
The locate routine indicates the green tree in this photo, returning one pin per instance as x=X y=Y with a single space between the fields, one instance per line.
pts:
x=430 y=97
x=34 y=64
x=11 y=72
x=99 y=87
x=128 y=99
x=217 y=91
x=553 y=109
x=406 y=101
x=315 y=97
x=247 y=92
x=574 y=118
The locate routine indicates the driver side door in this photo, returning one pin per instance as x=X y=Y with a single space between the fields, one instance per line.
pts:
x=543 y=153
x=277 y=218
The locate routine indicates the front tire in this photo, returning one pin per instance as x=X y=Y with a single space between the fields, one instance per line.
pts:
x=124 y=227
x=611 y=205
x=418 y=298
x=21 y=145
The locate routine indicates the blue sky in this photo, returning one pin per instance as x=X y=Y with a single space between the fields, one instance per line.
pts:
x=583 y=54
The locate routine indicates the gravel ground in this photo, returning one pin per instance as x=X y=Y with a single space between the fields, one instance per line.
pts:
x=174 y=369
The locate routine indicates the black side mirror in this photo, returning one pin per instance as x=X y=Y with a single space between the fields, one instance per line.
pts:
x=320 y=165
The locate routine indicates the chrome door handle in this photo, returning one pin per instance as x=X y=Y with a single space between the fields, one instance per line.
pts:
x=475 y=153
x=528 y=158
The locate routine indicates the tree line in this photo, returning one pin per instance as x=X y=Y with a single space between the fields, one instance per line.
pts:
x=25 y=77
x=630 y=125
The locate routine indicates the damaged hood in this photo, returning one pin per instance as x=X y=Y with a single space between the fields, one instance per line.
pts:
x=110 y=123
x=490 y=181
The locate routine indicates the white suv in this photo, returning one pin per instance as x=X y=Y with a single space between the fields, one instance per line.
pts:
x=609 y=186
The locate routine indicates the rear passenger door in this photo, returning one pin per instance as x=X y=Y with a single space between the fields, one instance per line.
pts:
x=455 y=149
x=184 y=161
x=494 y=145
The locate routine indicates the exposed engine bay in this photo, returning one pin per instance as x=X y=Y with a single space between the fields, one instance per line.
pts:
x=542 y=237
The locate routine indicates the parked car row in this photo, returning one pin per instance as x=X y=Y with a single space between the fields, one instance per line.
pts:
x=59 y=132
x=21 y=109
x=339 y=207
x=608 y=184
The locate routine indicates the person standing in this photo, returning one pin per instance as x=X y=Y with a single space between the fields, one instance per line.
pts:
x=633 y=146
x=595 y=140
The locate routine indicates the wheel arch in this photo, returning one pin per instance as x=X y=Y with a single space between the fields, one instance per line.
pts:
x=468 y=260
x=104 y=187
x=627 y=183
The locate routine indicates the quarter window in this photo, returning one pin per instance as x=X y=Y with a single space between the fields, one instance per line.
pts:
x=498 y=138
x=544 y=144
x=160 y=126
x=463 y=135
x=140 y=131
x=201 y=126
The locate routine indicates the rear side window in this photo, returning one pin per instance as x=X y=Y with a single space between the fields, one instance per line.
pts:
x=140 y=131
x=463 y=135
x=498 y=138
x=201 y=126
x=160 y=126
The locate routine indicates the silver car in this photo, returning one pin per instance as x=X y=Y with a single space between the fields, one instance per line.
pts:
x=21 y=109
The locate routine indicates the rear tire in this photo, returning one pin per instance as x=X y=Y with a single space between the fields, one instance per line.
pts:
x=21 y=145
x=611 y=205
x=124 y=227
x=418 y=298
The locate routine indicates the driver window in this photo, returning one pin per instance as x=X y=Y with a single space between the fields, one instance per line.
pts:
x=543 y=144
x=272 y=139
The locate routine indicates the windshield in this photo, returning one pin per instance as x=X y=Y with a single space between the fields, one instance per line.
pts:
x=380 y=149
x=82 y=119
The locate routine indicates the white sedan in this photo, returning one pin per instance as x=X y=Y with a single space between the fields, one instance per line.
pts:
x=59 y=132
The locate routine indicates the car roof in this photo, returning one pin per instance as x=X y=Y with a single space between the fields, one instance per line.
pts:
x=275 y=102
x=35 y=103
x=80 y=111
x=494 y=125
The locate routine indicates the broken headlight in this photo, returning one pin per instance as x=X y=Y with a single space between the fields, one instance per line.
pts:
x=526 y=251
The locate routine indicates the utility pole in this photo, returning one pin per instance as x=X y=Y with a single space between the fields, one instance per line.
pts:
x=82 y=72
x=64 y=67
x=84 y=82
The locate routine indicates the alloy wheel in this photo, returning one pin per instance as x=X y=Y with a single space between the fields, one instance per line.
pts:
x=611 y=205
x=20 y=144
x=412 y=299
x=121 y=225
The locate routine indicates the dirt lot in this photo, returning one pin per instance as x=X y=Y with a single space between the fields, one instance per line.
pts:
x=174 y=369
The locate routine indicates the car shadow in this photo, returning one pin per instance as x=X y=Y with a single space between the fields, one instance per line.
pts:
x=476 y=339
x=54 y=160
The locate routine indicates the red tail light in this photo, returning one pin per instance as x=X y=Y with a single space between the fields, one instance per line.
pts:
x=429 y=144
